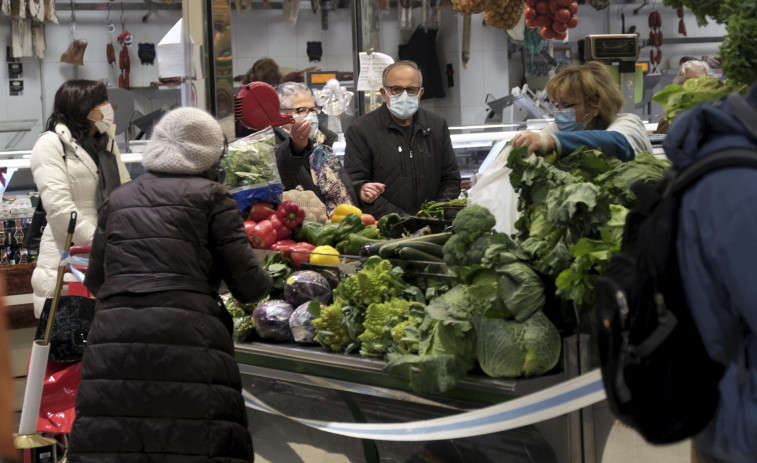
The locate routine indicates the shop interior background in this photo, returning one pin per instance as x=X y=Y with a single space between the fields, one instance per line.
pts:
x=495 y=65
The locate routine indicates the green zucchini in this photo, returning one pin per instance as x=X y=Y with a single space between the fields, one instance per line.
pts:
x=410 y=253
x=389 y=249
x=430 y=248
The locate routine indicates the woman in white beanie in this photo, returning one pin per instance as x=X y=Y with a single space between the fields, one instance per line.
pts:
x=159 y=379
x=75 y=164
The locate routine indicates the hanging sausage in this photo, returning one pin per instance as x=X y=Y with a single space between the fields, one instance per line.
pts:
x=124 y=63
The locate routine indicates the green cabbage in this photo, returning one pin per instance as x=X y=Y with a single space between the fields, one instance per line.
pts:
x=510 y=348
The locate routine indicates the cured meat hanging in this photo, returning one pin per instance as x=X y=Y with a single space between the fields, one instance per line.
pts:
x=124 y=63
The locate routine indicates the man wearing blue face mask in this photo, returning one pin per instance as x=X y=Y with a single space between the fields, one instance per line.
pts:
x=587 y=104
x=400 y=155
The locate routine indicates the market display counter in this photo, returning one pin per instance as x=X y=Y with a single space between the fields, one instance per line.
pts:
x=311 y=383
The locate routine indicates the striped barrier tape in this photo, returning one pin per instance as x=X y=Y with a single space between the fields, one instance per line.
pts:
x=543 y=405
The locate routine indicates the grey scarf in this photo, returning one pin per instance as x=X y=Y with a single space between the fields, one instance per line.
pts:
x=108 y=175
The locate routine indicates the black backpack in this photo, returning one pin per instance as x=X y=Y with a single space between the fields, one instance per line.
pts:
x=657 y=375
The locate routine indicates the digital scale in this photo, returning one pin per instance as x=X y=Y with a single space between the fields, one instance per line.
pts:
x=617 y=48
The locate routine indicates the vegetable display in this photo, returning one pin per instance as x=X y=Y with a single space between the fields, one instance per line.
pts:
x=494 y=304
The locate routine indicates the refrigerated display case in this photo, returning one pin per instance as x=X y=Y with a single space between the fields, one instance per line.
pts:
x=310 y=383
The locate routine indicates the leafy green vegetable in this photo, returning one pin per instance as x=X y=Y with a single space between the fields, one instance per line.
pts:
x=739 y=48
x=521 y=290
x=511 y=348
x=574 y=200
x=250 y=161
x=675 y=99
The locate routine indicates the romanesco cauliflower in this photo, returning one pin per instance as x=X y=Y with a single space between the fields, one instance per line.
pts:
x=379 y=319
x=374 y=283
x=330 y=331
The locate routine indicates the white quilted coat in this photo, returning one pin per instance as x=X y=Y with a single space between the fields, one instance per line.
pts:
x=65 y=183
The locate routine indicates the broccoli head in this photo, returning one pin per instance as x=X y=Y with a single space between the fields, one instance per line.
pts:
x=455 y=251
x=473 y=221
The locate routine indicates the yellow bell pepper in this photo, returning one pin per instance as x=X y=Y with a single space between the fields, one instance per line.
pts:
x=342 y=211
x=324 y=255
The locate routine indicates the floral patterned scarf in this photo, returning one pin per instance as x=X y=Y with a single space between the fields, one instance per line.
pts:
x=324 y=168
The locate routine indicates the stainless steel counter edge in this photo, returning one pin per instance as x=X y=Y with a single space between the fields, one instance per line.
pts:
x=317 y=356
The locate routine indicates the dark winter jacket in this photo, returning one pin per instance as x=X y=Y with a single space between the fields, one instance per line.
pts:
x=718 y=259
x=159 y=379
x=295 y=170
x=424 y=169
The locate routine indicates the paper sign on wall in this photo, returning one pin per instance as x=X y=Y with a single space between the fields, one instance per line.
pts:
x=371 y=67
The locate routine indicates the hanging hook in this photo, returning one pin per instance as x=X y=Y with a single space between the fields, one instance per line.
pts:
x=123 y=21
x=107 y=17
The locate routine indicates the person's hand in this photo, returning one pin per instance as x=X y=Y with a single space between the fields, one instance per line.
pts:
x=370 y=191
x=299 y=134
x=534 y=141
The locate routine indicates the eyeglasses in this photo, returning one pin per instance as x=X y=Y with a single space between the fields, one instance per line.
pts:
x=303 y=111
x=397 y=90
x=556 y=105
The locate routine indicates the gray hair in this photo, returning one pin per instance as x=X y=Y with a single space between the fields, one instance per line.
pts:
x=288 y=90
x=692 y=65
x=404 y=62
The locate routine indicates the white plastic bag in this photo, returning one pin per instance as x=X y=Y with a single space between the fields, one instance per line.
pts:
x=494 y=191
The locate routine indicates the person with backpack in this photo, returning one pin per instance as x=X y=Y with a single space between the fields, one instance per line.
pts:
x=717 y=258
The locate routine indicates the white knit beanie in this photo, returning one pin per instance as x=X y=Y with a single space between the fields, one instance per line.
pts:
x=185 y=141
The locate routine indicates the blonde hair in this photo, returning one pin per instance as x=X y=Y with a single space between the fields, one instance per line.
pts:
x=592 y=85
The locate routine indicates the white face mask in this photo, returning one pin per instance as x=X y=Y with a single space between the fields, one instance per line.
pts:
x=313 y=119
x=403 y=106
x=104 y=124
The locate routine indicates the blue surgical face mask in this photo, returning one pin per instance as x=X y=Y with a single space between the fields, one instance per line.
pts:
x=403 y=106
x=565 y=120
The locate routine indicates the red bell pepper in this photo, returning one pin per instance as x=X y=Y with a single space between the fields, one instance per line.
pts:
x=261 y=211
x=282 y=232
x=284 y=247
x=290 y=214
x=301 y=253
x=249 y=225
x=263 y=235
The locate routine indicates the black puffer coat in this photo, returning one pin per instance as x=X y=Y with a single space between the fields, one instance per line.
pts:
x=159 y=380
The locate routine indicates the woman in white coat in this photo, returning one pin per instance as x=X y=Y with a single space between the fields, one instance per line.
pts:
x=75 y=164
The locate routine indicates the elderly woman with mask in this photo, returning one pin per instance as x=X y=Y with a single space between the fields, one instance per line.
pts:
x=587 y=103
x=303 y=150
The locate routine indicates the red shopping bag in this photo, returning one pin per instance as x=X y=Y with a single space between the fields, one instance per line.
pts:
x=56 y=411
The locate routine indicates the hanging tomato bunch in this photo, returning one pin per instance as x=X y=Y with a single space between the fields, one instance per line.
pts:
x=555 y=17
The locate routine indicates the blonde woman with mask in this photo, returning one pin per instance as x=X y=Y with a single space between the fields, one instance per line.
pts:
x=587 y=103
